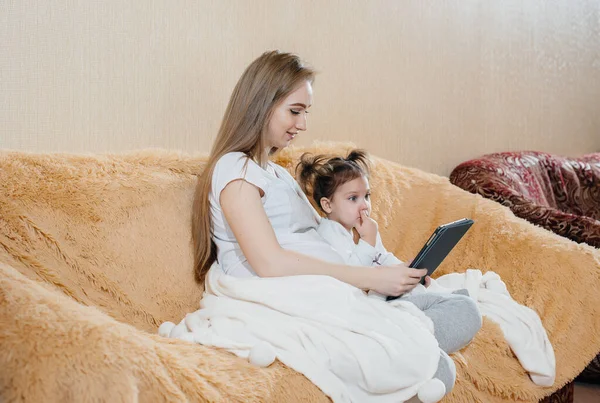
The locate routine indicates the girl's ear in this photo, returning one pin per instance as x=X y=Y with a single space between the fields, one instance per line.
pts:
x=325 y=205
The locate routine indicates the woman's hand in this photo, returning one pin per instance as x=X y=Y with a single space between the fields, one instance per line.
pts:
x=367 y=229
x=427 y=281
x=395 y=280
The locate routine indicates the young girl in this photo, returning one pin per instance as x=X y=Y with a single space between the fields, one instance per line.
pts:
x=340 y=189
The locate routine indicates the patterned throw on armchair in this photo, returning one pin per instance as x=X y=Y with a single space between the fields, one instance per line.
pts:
x=560 y=194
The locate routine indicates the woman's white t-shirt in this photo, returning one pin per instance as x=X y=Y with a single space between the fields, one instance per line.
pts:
x=293 y=218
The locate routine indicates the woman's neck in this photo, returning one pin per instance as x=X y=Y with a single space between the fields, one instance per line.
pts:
x=263 y=160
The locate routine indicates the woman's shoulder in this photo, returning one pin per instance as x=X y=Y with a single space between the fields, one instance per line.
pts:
x=236 y=162
x=232 y=159
x=238 y=165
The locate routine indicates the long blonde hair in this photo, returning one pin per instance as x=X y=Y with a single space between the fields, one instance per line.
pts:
x=267 y=81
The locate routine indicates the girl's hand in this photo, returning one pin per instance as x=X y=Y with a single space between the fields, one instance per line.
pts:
x=367 y=228
x=395 y=280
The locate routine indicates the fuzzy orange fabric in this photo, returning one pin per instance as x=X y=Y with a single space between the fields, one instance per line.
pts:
x=95 y=253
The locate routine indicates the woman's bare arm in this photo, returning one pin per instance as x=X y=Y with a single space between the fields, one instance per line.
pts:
x=243 y=210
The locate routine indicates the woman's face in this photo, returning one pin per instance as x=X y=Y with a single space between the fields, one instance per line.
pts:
x=289 y=117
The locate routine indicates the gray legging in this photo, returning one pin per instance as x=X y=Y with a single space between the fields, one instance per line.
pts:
x=456 y=320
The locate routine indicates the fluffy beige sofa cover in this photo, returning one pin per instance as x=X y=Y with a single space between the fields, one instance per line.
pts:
x=95 y=253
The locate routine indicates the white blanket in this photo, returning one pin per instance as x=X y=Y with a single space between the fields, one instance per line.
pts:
x=354 y=348
x=521 y=326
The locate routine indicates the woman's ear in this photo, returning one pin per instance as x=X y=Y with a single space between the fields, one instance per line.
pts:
x=325 y=205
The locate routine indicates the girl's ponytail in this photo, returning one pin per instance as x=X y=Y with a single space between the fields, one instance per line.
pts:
x=309 y=167
x=360 y=158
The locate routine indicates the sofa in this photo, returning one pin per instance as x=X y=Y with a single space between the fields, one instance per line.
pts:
x=558 y=193
x=95 y=254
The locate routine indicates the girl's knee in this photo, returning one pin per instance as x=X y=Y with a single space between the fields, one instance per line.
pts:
x=472 y=314
x=468 y=318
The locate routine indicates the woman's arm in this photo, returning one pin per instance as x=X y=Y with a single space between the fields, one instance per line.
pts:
x=246 y=216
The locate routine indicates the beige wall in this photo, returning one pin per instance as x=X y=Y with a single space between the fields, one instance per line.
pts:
x=428 y=84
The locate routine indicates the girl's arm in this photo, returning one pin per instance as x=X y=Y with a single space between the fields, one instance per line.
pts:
x=370 y=237
x=245 y=214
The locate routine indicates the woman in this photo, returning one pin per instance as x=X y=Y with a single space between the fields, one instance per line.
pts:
x=252 y=217
x=238 y=224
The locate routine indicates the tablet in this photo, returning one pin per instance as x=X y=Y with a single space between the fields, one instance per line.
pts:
x=439 y=245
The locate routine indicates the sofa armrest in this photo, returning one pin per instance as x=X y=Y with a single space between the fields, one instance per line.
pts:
x=53 y=349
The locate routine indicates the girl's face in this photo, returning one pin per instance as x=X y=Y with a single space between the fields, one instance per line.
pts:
x=289 y=117
x=348 y=201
